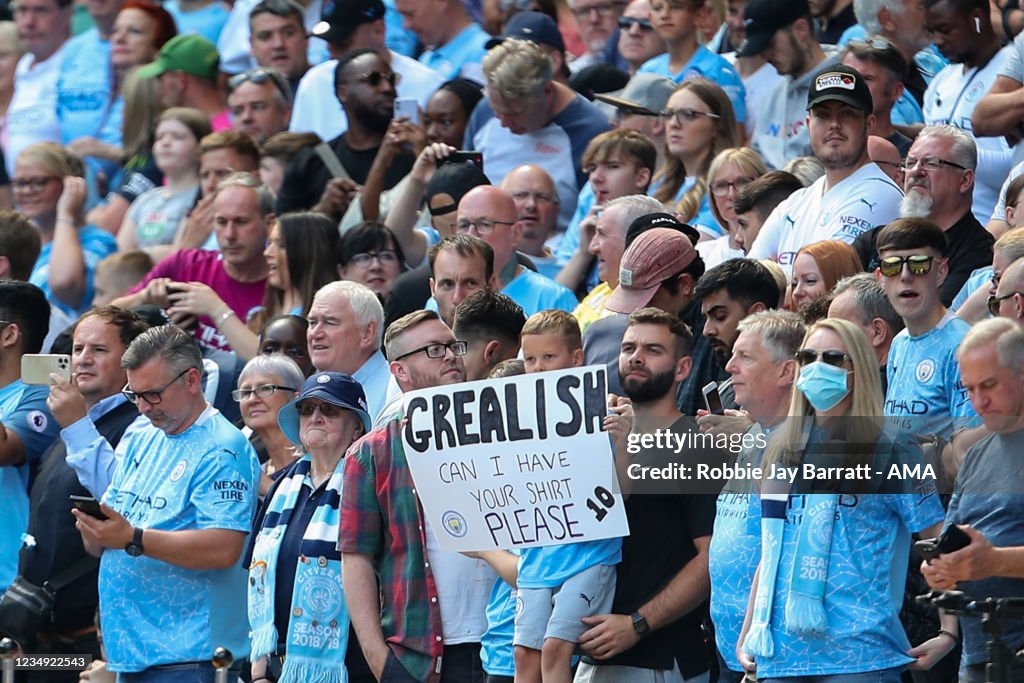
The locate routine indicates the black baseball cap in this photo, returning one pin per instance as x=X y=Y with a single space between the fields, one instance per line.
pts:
x=341 y=18
x=842 y=83
x=762 y=18
x=536 y=27
x=660 y=220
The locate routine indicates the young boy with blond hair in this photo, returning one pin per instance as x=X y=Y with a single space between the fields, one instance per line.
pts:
x=558 y=585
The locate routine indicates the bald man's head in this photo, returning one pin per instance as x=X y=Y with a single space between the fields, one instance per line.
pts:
x=536 y=200
x=490 y=213
x=888 y=158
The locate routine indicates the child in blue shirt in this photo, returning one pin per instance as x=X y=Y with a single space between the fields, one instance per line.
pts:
x=558 y=585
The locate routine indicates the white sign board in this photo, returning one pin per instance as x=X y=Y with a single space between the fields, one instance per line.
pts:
x=516 y=462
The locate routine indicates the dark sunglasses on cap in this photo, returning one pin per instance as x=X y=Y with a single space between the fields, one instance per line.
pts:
x=830 y=357
x=259 y=76
x=919 y=264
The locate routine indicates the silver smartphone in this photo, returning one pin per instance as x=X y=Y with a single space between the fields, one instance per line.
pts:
x=712 y=399
x=36 y=367
x=409 y=108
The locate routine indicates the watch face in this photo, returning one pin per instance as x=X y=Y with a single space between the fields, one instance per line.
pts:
x=133 y=550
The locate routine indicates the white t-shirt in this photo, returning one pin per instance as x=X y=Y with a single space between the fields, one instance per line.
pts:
x=317 y=110
x=951 y=98
x=463 y=589
x=864 y=200
x=758 y=86
x=32 y=114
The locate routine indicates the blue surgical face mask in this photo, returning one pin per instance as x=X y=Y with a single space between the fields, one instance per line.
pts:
x=823 y=385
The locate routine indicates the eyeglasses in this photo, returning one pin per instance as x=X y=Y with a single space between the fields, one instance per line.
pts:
x=375 y=78
x=483 y=226
x=262 y=391
x=259 y=76
x=626 y=24
x=919 y=264
x=830 y=357
x=151 y=397
x=722 y=187
x=438 y=350
x=930 y=164
x=995 y=279
x=604 y=10
x=685 y=114
x=995 y=301
x=328 y=410
x=384 y=257
x=539 y=197
x=37 y=184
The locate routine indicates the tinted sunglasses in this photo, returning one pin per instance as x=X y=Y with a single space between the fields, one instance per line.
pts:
x=627 y=23
x=328 y=410
x=995 y=301
x=830 y=357
x=375 y=78
x=919 y=264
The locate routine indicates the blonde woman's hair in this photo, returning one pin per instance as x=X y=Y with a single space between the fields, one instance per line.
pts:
x=516 y=70
x=54 y=158
x=141 y=109
x=673 y=173
x=748 y=161
x=861 y=427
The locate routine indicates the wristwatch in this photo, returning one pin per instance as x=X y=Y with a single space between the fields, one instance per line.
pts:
x=134 y=549
x=640 y=624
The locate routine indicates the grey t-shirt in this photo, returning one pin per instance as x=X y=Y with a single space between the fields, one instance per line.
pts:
x=157 y=214
x=989 y=495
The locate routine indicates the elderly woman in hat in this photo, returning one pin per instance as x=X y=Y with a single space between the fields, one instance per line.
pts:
x=296 y=605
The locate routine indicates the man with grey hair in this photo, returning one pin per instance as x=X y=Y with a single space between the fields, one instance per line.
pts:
x=901 y=22
x=346 y=326
x=178 y=509
x=939 y=182
x=607 y=243
x=762 y=371
x=861 y=300
x=596 y=20
x=215 y=289
x=529 y=118
x=986 y=503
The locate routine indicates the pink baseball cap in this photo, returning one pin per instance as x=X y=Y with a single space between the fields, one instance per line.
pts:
x=655 y=256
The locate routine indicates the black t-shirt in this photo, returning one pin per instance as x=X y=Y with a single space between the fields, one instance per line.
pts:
x=663 y=521
x=307 y=176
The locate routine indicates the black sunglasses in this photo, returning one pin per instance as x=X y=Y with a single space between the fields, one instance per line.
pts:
x=995 y=301
x=259 y=76
x=627 y=23
x=830 y=357
x=375 y=78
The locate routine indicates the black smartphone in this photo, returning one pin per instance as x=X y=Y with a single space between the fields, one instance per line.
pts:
x=712 y=399
x=465 y=157
x=88 y=505
x=951 y=540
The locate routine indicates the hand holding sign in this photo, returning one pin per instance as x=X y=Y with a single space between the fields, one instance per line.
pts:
x=517 y=462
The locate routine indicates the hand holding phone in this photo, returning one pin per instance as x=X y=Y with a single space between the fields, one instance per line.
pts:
x=88 y=505
x=36 y=367
x=951 y=540
x=465 y=157
x=712 y=399
x=409 y=108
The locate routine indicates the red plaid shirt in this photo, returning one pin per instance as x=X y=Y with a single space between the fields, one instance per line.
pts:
x=381 y=517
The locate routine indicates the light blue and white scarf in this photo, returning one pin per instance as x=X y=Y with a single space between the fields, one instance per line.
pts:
x=805 y=595
x=317 y=638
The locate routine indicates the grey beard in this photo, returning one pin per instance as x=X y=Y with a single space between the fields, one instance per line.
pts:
x=915 y=205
